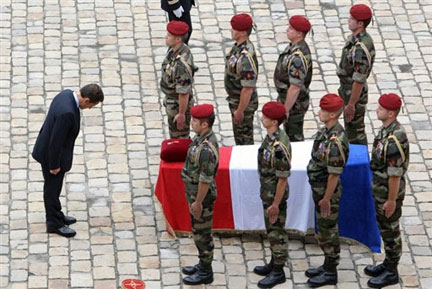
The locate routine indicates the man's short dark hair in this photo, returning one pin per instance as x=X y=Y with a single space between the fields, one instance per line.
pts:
x=366 y=22
x=281 y=120
x=93 y=92
x=249 y=31
x=185 y=37
x=209 y=120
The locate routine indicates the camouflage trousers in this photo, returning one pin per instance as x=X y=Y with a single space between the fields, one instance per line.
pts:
x=328 y=231
x=202 y=231
x=294 y=125
x=355 y=129
x=172 y=108
x=389 y=228
x=243 y=134
x=277 y=235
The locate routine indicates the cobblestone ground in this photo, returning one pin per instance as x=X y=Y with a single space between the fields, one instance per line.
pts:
x=50 y=45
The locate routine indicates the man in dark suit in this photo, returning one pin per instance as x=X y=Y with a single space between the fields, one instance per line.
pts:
x=54 y=150
x=179 y=10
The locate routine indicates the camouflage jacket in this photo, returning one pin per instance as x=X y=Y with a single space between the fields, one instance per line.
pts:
x=357 y=59
x=201 y=164
x=177 y=72
x=294 y=66
x=274 y=162
x=390 y=154
x=241 y=70
x=329 y=154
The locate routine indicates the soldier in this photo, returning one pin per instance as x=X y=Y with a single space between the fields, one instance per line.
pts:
x=329 y=156
x=293 y=75
x=354 y=68
x=241 y=73
x=177 y=78
x=389 y=163
x=198 y=176
x=274 y=164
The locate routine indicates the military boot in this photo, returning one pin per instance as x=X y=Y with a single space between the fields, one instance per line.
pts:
x=312 y=272
x=264 y=270
x=275 y=277
x=389 y=276
x=327 y=277
x=373 y=270
x=189 y=270
x=201 y=276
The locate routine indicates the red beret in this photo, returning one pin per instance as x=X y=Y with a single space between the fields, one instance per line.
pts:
x=241 y=22
x=361 y=12
x=177 y=28
x=274 y=110
x=202 y=111
x=331 y=102
x=300 y=23
x=390 y=101
x=175 y=150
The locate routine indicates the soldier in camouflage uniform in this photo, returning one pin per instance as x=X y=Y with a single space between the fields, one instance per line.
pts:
x=198 y=175
x=241 y=73
x=274 y=164
x=389 y=163
x=177 y=78
x=356 y=63
x=293 y=75
x=329 y=156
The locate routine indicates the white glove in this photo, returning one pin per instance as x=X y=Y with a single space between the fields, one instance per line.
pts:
x=178 y=12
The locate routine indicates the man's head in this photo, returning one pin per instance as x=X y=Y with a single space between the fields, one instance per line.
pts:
x=203 y=118
x=241 y=26
x=298 y=28
x=273 y=114
x=360 y=17
x=90 y=95
x=389 y=107
x=177 y=32
x=331 y=107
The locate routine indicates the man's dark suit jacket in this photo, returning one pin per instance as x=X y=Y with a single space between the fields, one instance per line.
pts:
x=186 y=4
x=55 y=143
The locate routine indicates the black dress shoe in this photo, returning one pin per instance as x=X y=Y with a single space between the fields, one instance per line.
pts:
x=312 y=272
x=275 y=277
x=373 y=270
x=64 y=231
x=189 y=270
x=69 y=220
x=325 y=278
x=202 y=276
x=386 y=278
x=264 y=270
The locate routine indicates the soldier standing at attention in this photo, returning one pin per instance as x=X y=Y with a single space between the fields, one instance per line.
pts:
x=274 y=164
x=293 y=75
x=389 y=163
x=354 y=68
x=241 y=73
x=198 y=175
x=177 y=79
x=329 y=156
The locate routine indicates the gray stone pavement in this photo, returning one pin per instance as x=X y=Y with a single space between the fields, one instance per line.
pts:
x=50 y=45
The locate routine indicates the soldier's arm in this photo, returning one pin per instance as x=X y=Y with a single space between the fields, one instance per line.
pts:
x=196 y=207
x=332 y=182
x=245 y=96
x=291 y=96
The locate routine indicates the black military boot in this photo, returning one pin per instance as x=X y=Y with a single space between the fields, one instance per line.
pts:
x=373 y=270
x=189 y=270
x=312 y=272
x=275 y=277
x=389 y=276
x=264 y=270
x=201 y=276
x=327 y=277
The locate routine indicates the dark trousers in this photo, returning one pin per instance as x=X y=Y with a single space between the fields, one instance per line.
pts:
x=52 y=189
x=185 y=18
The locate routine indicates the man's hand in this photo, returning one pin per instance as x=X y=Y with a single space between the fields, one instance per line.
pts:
x=196 y=209
x=325 y=207
x=180 y=119
x=55 y=171
x=389 y=207
x=273 y=213
x=178 y=12
x=349 y=112
x=238 y=117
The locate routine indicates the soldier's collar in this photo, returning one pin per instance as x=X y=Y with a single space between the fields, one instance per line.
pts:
x=390 y=127
x=202 y=137
x=293 y=47
x=179 y=51
x=332 y=129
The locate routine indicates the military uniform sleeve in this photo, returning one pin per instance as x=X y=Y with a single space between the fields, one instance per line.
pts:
x=336 y=158
x=297 y=71
x=208 y=164
x=282 y=162
x=248 y=70
x=183 y=79
x=361 y=64
x=394 y=159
